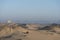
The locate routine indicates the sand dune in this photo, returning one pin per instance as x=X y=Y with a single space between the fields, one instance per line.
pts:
x=20 y=33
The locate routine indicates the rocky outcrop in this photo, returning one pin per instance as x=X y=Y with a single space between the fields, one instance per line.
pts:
x=13 y=33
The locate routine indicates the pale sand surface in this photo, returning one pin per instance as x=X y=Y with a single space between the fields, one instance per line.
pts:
x=33 y=35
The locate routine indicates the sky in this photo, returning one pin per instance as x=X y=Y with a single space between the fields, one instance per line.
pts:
x=36 y=11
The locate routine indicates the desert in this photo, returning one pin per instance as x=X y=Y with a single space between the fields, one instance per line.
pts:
x=15 y=31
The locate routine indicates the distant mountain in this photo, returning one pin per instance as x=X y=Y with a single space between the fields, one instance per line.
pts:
x=33 y=21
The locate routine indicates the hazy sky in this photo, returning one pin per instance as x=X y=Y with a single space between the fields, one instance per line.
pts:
x=33 y=10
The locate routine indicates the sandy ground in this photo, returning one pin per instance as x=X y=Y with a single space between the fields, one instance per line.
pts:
x=32 y=35
x=36 y=35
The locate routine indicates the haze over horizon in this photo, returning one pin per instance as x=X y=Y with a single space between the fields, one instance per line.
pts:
x=31 y=11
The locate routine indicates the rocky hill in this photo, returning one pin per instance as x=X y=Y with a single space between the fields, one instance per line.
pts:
x=25 y=32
